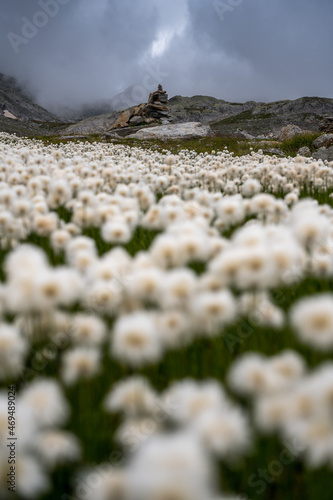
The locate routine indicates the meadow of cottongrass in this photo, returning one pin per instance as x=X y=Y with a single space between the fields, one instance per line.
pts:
x=167 y=321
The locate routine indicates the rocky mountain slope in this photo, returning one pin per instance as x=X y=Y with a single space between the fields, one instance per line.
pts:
x=20 y=115
x=308 y=113
x=19 y=105
x=230 y=119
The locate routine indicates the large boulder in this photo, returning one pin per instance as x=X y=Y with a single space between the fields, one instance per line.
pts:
x=324 y=154
x=289 y=132
x=189 y=130
x=93 y=125
x=323 y=141
x=304 y=151
x=123 y=119
x=274 y=151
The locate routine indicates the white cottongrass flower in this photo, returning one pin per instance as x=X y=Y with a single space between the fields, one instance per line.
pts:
x=255 y=270
x=177 y=288
x=230 y=210
x=12 y=351
x=265 y=313
x=45 y=224
x=49 y=289
x=250 y=374
x=178 y=469
x=80 y=363
x=45 y=400
x=225 y=432
x=211 y=310
x=25 y=258
x=57 y=447
x=315 y=438
x=135 y=339
x=134 y=396
x=255 y=374
x=263 y=204
x=226 y=265
x=289 y=366
x=116 y=232
x=174 y=327
x=25 y=426
x=59 y=239
x=166 y=252
x=312 y=318
x=322 y=265
x=250 y=187
x=111 y=484
x=83 y=260
x=31 y=478
x=134 y=431
x=195 y=246
x=103 y=297
x=80 y=243
x=153 y=218
x=189 y=399
x=144 y=284
x=87 y=329
x=59 y=193
x=309 y=226
x=272 y=411
x=104 y=269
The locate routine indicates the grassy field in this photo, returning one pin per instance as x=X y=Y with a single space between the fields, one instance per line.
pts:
x=204 y=359
x=261 y=473
x=205 y=145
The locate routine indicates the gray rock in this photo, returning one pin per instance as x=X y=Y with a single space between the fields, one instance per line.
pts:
x=274 y=151
x=304 y=151
x=135 y=120
x=325 y=140
x=324 y=154
x=190 y=130
x=112 y=134
x=330 y=153
x=94 y=125
x=289 y=132
x=242 y=134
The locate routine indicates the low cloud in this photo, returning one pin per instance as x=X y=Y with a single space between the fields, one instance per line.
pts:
x=79 y=52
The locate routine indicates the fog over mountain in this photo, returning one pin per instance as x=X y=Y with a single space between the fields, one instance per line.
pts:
x=75 y=53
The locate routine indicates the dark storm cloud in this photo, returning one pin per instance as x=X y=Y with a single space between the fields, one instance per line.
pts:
x=237 y=50
x=87 y=51
x=281 y=47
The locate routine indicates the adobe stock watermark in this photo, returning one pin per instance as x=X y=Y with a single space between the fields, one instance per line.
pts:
x=31 y=27
x=222 y=7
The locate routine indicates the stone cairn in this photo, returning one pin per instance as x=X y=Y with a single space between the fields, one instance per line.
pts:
x=155 y=110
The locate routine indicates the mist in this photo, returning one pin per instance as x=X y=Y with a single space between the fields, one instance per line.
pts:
x=73 y=53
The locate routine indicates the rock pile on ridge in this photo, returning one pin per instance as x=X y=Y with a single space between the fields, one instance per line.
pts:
x=155 y=109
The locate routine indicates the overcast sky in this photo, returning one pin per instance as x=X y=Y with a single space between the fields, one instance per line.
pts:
x=83 y=51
